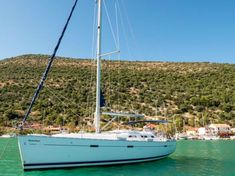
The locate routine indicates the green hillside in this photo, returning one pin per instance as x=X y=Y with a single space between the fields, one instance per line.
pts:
x=196 y=93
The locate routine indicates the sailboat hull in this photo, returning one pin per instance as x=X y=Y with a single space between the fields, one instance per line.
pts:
x=43 y=152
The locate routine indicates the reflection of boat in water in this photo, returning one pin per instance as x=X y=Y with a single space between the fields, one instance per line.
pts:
x=92 y=149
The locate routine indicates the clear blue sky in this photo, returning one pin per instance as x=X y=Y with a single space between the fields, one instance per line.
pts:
x=165 y=30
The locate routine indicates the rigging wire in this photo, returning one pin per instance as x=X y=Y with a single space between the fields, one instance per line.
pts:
x=118 y=56
x=93 y=33
x=121 y=9
x=109 y=78
x=110 y=24
x=117 y=28
x=124 y=31
x=109 y=58
x=62 y=97
x=132 y=34
x=116 y=41
x=4 y=148
x=51 y=59
x=92 y=71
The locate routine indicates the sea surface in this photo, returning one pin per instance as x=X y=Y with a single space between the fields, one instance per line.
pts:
x=209 y=158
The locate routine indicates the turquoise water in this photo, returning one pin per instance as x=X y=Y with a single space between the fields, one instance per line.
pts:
x=209 y=158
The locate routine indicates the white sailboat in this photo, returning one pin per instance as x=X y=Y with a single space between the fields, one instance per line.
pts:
x=92 y=149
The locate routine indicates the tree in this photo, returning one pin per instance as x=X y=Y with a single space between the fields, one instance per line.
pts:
x=11 y=114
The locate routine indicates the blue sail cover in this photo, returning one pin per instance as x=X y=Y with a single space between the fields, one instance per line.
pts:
x=102 y=100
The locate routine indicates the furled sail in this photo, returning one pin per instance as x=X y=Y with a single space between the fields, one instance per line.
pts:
x=102 y=100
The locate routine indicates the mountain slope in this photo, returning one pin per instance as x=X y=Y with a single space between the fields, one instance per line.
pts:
x=196 y=93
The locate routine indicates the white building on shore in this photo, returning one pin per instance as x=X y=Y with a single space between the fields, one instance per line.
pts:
x=219 y=128
x=202 y=131
x=233 y=130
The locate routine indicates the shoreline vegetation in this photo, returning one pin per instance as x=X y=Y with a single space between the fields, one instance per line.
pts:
x=187 y=94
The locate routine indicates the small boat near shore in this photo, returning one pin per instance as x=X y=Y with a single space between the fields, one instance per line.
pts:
x=232 y=137
x=7 y=136
x=210 y=137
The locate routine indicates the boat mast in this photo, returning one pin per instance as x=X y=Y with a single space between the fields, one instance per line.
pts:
x=98 y=57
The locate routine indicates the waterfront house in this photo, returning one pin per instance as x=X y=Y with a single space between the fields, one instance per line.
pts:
x=219 y=128
x=202 y=131
x=52 y=129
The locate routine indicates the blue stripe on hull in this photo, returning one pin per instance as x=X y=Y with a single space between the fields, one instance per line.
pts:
x=89 y=163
